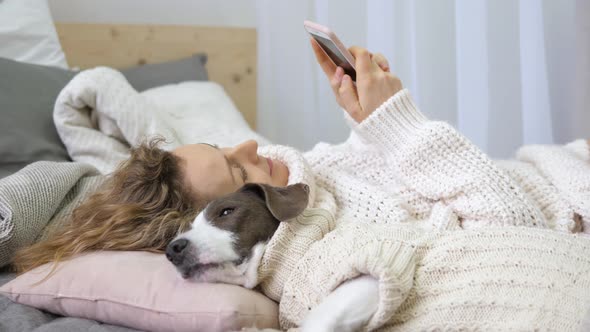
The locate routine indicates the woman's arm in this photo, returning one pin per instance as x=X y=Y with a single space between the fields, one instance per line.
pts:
x=431 y=157
x=439 y=163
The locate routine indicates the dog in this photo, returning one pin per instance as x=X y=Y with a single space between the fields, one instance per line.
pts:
x=227 y=240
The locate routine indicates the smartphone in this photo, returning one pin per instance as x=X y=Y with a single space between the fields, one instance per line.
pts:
x=332 y=46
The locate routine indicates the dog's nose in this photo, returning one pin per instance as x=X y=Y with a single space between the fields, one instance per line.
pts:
x=175 y=250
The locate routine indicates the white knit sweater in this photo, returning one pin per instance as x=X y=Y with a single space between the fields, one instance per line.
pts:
x=398 y=167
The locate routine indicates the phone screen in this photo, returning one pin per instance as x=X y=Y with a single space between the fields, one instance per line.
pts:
x=334 y=54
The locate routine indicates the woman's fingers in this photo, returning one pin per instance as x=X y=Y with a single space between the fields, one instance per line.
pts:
x=325 y=62
x=381 y=61
x=377 y=59
x=375 y=83
x=349 y=97
x=362 y=60
x=336 y=80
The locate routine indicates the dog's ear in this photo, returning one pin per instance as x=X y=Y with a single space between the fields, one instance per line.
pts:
x=283 y=202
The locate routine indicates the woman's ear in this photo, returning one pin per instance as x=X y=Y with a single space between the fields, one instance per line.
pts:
x=283 y=202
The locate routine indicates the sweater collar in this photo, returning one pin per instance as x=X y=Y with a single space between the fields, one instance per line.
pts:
x=299 y=169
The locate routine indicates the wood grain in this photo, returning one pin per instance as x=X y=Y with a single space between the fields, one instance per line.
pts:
x=231 y=52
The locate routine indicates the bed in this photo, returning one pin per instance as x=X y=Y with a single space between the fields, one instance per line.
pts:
x=231 y=63
x=231 y=52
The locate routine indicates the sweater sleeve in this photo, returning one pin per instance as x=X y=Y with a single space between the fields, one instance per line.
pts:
x=567 y=168
x=353 y=249
x=440 y=164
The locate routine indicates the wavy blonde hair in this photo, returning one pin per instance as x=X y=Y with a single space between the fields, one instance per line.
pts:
x=141 y=206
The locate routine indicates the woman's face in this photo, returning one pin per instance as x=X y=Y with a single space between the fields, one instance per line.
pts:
x=213 y=172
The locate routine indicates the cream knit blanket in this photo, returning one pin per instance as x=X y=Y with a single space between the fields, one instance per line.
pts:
x=493 y=279
x=99 y=116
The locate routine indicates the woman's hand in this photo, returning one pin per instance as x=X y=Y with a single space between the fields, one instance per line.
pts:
x=374 y=83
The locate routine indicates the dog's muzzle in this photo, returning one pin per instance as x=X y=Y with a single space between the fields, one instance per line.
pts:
x=176 y=251
x=179 y=254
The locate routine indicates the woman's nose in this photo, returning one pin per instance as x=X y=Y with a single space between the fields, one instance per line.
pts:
x=247 y=150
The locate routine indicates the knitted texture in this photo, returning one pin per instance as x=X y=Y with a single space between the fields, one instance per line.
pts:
x=82 y=189
x=426 y=162
x=351 y=250
x=291 y=241
x=38 y=198
x=565 y=170
x=293 y=238
x=397 y=165
x=299 y=170
x=98 y=116
x=399 y=168
x=580 y=149
x=495 y=279
x=558 y=212
x=492 y=279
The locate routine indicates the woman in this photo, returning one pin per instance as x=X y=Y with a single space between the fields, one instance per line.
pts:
x=397 y=166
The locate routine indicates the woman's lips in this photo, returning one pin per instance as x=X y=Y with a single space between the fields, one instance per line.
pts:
x=269 y=161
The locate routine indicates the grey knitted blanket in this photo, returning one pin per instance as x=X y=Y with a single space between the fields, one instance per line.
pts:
x=98 y=116
x=38 y=198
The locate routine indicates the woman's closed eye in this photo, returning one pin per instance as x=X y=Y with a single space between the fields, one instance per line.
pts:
x=243 y=172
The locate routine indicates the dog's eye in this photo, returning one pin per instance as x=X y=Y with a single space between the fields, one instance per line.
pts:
x=226 y=212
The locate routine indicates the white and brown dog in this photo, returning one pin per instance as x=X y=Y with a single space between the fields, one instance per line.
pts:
x=227 y=240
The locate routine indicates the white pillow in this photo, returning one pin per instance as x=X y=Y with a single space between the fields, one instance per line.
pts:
x=202 y=112
x=27 y=33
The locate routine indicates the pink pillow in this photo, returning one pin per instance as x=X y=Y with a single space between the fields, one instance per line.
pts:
x=143 y=291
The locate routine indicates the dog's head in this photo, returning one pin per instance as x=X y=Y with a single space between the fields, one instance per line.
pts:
x=227 y=231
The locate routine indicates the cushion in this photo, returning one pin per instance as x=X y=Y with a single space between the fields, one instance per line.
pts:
x=27 y=33
x=143 y=291
x=152 y=75
x=27 y=132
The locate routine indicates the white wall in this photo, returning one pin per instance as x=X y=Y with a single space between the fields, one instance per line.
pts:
x=419 y=38
x=235 y=13
x=296 y=106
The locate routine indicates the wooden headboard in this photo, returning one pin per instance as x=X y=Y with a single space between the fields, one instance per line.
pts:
x=231 y=52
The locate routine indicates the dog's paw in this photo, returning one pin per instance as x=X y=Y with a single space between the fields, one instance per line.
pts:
x=317 y=322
